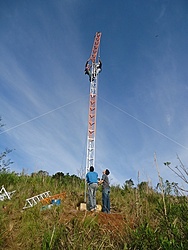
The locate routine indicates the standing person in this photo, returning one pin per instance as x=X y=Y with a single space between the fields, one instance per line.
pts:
x=105 y=192
x=92 y=180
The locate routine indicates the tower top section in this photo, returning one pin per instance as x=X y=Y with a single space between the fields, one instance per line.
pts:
x=95 y=47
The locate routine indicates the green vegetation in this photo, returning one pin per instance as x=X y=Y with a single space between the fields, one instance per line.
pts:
x=141 y=217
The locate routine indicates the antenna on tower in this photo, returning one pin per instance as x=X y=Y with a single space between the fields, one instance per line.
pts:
x=92 y=69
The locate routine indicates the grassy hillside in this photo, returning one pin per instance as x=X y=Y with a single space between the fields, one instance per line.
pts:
x=140 y=218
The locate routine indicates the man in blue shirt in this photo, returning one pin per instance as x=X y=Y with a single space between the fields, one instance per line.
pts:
x=92 y=180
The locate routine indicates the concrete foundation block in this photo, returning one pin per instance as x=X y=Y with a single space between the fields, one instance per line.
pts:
x=83 y=207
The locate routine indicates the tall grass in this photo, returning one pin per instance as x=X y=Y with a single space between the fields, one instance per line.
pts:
x=137 y=219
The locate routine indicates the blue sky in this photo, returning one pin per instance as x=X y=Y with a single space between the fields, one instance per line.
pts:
x=142 y=89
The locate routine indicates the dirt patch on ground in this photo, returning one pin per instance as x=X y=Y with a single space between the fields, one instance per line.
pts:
x=109 y=222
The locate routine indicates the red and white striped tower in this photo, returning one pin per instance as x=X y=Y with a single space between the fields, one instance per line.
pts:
x=92 y=68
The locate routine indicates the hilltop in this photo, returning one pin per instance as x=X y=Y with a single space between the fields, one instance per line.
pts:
x=141 y=218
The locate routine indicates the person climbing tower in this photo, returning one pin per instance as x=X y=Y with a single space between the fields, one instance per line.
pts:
x=99 y=67
x=88 y=70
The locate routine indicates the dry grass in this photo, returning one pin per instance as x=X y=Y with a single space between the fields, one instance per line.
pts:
x=64 y=227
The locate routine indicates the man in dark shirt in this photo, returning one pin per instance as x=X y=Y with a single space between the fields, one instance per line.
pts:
x=105 y=191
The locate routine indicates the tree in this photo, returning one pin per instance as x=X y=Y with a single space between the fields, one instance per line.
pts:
x=143 y=186
x=4 y=162
x=58 y=176
x=43 y=173
x=128 y=184
x=169 y=188
x=181 y=171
